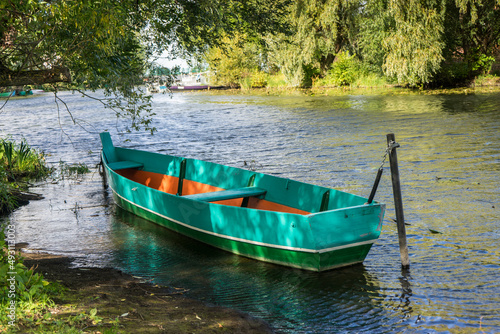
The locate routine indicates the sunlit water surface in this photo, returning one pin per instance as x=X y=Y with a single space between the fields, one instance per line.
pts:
x=449 y=165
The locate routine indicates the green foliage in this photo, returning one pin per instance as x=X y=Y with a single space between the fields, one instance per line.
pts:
x=321 y=29
x=72 y=171
x=345 y=70
x=482 y=63
x=235 y=62
x=472 y=28
x=108 y=44
x=259 y=79
x=488 y=79
x=78 y=169
x=99 y=42
x=287 y=57
x=22 y=293
x=7 y=201
x=350 y=71
x=29 y=297
x=375 y=25
x=276 y=80
x=20 y=160
x=370 y=79
x=414 y=50
x=17 y=161
x=416 y=42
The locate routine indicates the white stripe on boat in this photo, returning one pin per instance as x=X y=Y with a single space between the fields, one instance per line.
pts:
x=257 y=243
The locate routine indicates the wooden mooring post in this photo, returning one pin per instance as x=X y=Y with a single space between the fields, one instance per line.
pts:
x=398 y=200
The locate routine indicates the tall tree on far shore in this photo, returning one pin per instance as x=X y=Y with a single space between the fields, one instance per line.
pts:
x=414 y=48
x=321 y=30
x=472 y=35
x=431 y=42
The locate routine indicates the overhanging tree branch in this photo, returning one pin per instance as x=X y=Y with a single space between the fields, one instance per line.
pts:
x=34 y=77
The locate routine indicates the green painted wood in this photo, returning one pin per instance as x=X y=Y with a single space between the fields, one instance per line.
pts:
x=124 y=165
x=182 y=175
x=111 y=156
x=108 y=148
x=342 y=235
x=324 y=201
x=227 y=194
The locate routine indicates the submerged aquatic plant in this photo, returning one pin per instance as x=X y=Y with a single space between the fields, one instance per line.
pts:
x=70 y=170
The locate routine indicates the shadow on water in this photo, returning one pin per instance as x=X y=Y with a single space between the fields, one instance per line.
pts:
x=292 y=300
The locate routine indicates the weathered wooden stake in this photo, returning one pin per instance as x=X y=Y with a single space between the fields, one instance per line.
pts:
x=398 y=201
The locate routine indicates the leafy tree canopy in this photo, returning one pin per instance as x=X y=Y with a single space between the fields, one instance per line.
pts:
x=414 y=42
x=107 y=44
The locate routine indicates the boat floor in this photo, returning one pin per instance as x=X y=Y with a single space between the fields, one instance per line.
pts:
x=170 y=184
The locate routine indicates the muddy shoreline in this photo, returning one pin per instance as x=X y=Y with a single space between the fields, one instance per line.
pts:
x=132 y=305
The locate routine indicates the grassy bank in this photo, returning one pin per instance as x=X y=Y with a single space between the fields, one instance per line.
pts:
x=353 y=90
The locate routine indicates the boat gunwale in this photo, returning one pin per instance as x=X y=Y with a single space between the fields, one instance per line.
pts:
x=310 y=214
x=374 y=203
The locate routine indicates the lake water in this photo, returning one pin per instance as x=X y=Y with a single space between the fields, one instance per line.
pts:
x=450 y=173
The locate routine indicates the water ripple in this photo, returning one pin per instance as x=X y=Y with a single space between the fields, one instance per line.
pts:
x=449 y=163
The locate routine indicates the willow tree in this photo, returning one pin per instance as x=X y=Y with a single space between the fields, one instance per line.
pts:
x=414 y=49
x=320 y=30
x=472 y=37
x=430 y=41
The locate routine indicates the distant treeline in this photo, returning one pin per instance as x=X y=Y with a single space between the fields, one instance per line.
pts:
x=339 y=42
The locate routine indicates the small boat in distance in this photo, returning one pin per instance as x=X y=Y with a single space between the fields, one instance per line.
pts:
x=256 y=215
x=17 y=92
x=193 y=81
x=8 y=93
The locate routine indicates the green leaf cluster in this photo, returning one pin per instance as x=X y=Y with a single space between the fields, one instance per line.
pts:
x=108 y=44
x=235 y=63
x=18 y=162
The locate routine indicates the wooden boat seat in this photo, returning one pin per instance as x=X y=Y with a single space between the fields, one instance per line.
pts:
x=227 y=194
x=124 y=165
x=109 y=152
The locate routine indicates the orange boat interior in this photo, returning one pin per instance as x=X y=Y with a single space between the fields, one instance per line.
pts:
x=170 y=184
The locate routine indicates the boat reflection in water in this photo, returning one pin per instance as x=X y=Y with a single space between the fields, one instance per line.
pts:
x=288 y=298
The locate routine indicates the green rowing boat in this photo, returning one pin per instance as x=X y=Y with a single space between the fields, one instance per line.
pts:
x=259 y=216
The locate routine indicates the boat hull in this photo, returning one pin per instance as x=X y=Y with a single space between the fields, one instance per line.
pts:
x=316 y=241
